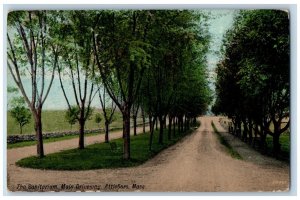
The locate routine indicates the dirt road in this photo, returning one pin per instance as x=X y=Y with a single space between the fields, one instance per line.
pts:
x=198 y=163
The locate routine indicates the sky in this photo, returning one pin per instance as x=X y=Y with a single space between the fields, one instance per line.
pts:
x=219 y=22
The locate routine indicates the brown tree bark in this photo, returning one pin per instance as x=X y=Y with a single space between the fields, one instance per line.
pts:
x=151 y=131
x=126 y=128
x=161 y=129
x=106 y=131
x=144 y=121
x=81 y=133
x=134 y=124
x=39 y=134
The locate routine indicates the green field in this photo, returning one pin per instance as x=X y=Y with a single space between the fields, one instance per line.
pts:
x=101 y=155
x=54 y=121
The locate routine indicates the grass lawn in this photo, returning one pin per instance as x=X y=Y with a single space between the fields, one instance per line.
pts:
x=224 y=142
x=101 y=155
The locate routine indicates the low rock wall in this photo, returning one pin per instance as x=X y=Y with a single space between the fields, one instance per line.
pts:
x=20 y=138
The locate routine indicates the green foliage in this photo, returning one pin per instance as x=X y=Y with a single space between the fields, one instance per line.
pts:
x=253 y=79
x=72 y=115
x=156 y=57
x=111 y=115
x=176 y=83
x=20 y=113
x=253 y=66
x=98 y=118
x=12 y=89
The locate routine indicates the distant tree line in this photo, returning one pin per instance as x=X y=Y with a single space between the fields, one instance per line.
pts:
x=147 y=61
x=253 y=79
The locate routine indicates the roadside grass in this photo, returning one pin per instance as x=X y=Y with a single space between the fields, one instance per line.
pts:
x=233 y=153
x=101 y=155
x=48 y=140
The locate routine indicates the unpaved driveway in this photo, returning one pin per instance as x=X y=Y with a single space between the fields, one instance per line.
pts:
x=198 y=163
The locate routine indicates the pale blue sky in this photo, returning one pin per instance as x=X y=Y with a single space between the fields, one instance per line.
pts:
x=219 y=22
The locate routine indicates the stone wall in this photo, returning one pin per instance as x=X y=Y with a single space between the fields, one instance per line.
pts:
x=21 y=138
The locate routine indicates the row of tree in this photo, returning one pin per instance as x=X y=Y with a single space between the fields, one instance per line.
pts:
x=148 y=60
x=253 y=79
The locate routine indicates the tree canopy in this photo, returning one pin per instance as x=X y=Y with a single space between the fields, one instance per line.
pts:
x=149 y=59
x=253 y=79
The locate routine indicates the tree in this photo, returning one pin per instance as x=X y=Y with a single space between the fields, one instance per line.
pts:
x=20 y=113
x=180 y=46
x=139 y=57
x=121 y=54
x=75 y=37
x=30 y=56
x=98 y=119
x=134 y=111
x=72 y=115
x=108 y=111
x=255 y=73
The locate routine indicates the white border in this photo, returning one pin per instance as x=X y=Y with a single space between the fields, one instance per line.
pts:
x=20 y=4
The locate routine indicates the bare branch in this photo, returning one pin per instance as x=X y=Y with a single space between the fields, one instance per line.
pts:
x=62 y=87
x=73 y=83
x=17 y=77
x=104 y=78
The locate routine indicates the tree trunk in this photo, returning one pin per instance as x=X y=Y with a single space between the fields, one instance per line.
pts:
x=150 y=123
x=106 y=131
x=134 y=124
x=276 y=145
x=255 y=135
x=21 y=131
x=39 y=134
x=161 y=130
x=151 y=132
x=180 y=124
x=184 y=124
x=81 y=133
x=170 y=128
x=245 y=131
x=263 y=144
x=156 y=124
x=144 y=121
x=126 y=134
x=174 y=126
x=250 y=132
x=239 y=129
